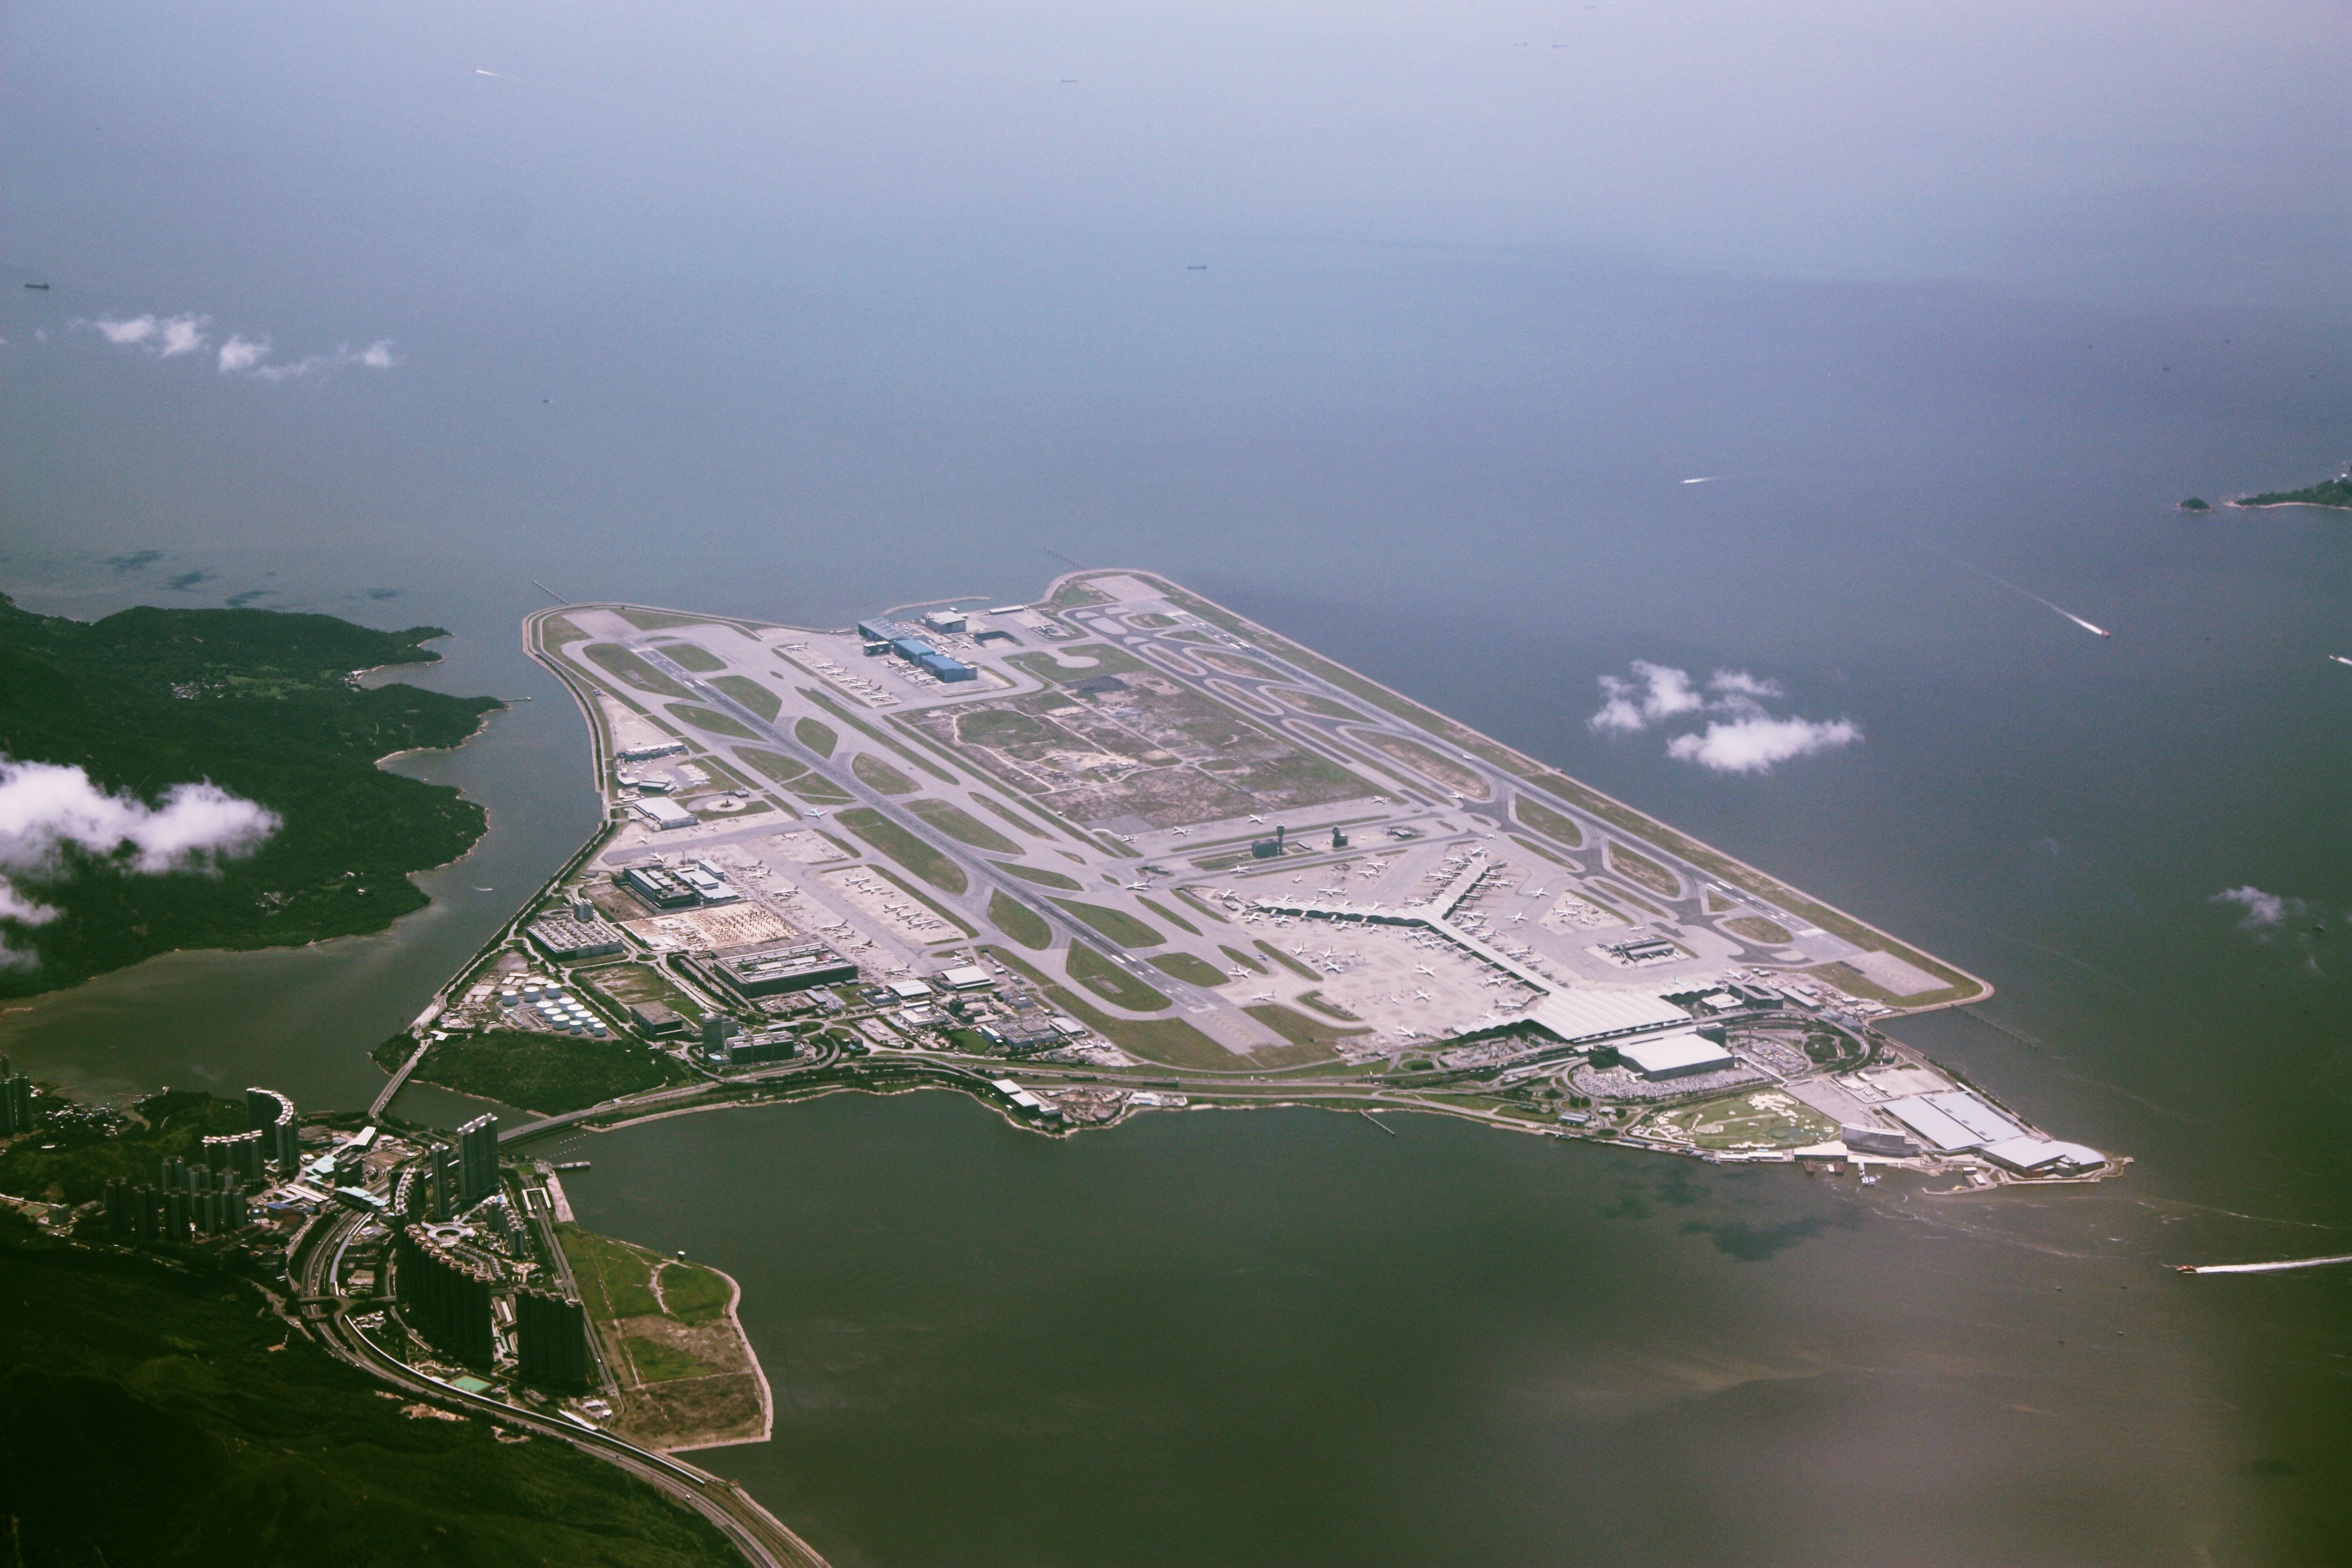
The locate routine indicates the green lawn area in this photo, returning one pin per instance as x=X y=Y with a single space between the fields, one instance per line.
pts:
x=619 y=661
x=903 y=847
x=1171 y=1042
x=1186 y=967
x=758 y=699
x=960 y=825
x=1019 y=922
x=544 y=1072
x=1555 y=826
x=1760 y=1119
x=1312 y=702
x=1243 y=959
x=1297 y=1028
x=1044 y=878
x=817 y=737
x=1322 y=1004
x=876 y=773
x=955 y=923
x=1644 y=870
x=661 y=620
x=1755 y=927
x=690 y=656
x=1109 y=660
x=1016 y=818
x=693 y=1294
x=658 y=1362
x=615 y=1279
x=1171 y=916
x=710 y=719
x=1116 y=924
x=1110 y=981
x=912 y=757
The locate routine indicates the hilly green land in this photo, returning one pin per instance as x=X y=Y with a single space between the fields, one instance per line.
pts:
x=162 y=1415
x=261 y=703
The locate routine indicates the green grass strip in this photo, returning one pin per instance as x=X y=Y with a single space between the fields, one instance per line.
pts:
x=1113 y=984
x=903 y=847
x=1116 y=924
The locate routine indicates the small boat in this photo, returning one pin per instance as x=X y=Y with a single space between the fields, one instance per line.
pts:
x=37 y=286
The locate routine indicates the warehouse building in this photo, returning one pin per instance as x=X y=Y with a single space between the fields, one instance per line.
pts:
x=663 y=815
x=1675 y=1055
x=566 y=938
x=773 y=968
x=654 y=887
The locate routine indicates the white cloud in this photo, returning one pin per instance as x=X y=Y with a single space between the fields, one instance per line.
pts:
x=168 y=336
x=2264 y=911
x=1660 y=692
x=184 y=335
x=137 y=330
x=1741 y=683
x=45 y=808
x=1753 y=743
x=240 y=353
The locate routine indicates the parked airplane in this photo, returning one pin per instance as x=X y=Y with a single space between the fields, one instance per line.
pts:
x=1421 y=995
x=1425 y=969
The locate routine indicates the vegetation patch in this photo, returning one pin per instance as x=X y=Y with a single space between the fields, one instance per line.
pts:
x=1761 y=1119
x=655 y=1361
x=1243 y=959
x=1019 y=922
x=1171 y=916
x=1312 y=702
x=1044 y=878
x=1284 y=960
x=758 y=699
x=1113 y=984
x=255 y=1446
x=1854 y=983
x=1296 y=1027
x=1557 y=827
x=1755 y=927
x=1234 y=663
x=261 y=704
x=615 y=1279
x=660 y=620
x=1643 y=869
x=710 y=719
x=90 y=1150
x=618 y=661
x=903 y=847
x=2334 y=492
x=962 y=825
x=548 y=1073
x=1169 y=1041
x=1116 y=924
x=1532 y=848
x=691 y=655
x=1322 y=1004
x=876 y=773
x=818 y=737
x=1191 y=970
x=1424 y=761
x=1014 y=818
x=554 y=631
x=1108 y=660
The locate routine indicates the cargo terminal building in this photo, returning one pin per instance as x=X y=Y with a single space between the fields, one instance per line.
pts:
x=776 y=967
x=909 y=644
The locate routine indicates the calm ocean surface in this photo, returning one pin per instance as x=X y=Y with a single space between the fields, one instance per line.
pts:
x=801 y=313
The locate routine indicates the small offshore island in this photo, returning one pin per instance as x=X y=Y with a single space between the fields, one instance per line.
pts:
x=1116 y=853
x=2336 y=493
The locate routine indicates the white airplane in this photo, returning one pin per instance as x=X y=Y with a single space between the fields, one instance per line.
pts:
x=1257 y=819
x=1421 y=995
x=1238 y=973
x=1146 y=887
x=1263 y=996
x=1518 y=918
x=1535 y=892
x=1179 y=832
x=1124 y=838
x=1426 y=970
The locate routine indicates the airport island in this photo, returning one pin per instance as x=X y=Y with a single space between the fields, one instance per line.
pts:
x=1118 y=852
